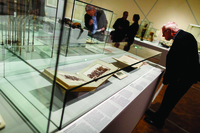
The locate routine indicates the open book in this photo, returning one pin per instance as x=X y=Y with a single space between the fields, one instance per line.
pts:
x=127 y=60
x=91 y=72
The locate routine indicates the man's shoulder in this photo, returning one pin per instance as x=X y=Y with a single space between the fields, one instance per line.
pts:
x=185 y=37
x=120 y=19
x=127 y=21
x=182 y=32
x=87 y=16
x=135 y=25
x=185 y=34
x=99 y=12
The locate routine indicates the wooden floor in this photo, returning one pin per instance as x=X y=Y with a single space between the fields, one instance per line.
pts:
x=184 y=118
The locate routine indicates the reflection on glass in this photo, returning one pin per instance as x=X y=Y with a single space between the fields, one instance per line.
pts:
x=33 y=53
x=147 y=32
x=195 y=31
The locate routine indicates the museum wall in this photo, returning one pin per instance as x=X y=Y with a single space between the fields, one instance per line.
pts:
x=156 y=11
x=183 y=12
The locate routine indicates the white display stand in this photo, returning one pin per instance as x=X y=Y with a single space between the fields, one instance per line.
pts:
x=114 y=102
x=121 y=112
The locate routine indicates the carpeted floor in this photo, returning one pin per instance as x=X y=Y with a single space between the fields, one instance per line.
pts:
x=184 y=118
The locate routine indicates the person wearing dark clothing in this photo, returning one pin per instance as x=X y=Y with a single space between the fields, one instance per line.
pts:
x=121 y=26
x=99 y=22
x=39 y=7
x=132 y=31
x=182 y=69
x=89 y=23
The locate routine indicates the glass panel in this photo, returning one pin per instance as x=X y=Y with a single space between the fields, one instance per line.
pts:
x=27 y=31
x=2 y=58
x=41 y=49
x=74 y=58
x=22 y=85
x=147 y=32
x=81 y=99
x=195 y=31
x=79 y=36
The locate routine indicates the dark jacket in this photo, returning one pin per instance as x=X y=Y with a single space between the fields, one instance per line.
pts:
x=87 y=19
x=119 y=34
x=182 y=60
x=122 y=23
x=101 y=20
x=132 y=31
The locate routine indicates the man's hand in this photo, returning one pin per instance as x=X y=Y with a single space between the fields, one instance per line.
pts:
x=90 y=22
x=102 y=29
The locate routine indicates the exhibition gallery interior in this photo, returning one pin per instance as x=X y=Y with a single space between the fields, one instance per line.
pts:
x=61 y=70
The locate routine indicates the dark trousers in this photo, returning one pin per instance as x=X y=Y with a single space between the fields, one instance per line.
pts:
x=128 y=45
x=174 y=92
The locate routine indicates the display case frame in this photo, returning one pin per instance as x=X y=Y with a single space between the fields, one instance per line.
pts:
x=149 y=30
x=50 y=103
x=195 y=31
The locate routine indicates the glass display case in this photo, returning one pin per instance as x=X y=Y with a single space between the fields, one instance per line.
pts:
x=195 y=31
x=51 y=80
x=146 y=31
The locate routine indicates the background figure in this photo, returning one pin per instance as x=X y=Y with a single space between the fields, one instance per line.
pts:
x=132 y=31
x=121 y=26
x=39 y=6
x=182 y=69
x=38 y=9
x=98 y=21
x=89 y=23
x=143 y=31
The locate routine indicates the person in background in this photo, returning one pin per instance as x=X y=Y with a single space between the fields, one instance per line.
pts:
x=132 y=31
x=89 y=23
x=99 y=22
x=38 y=7
x=182 y=69
x=121 y=27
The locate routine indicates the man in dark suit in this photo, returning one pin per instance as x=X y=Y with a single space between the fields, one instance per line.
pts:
x=99 y=22
x=132 y=31
x=121 y=26
x=181 y=73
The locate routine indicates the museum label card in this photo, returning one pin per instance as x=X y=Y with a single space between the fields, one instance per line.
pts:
x=120 y=75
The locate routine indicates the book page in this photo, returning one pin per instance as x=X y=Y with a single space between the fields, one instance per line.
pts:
x=129 y=61
x=96 y=71
x=71 y=77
